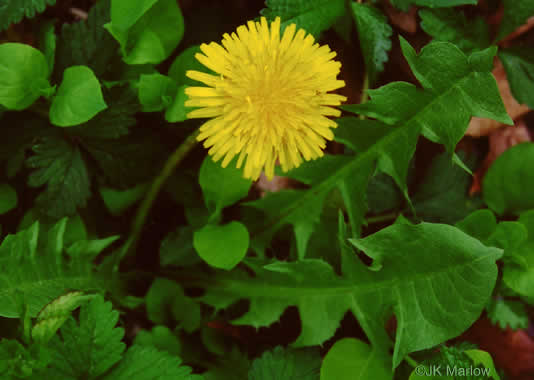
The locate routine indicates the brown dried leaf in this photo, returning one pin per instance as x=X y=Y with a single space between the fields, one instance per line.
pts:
x=406 y=21
x=511 y=350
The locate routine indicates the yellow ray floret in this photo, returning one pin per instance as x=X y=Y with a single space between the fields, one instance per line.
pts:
x=269 y=101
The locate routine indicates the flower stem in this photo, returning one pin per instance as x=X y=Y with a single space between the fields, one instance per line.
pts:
x=382 y=218
x=140 y=218
x=410 y=361
x=365 y=87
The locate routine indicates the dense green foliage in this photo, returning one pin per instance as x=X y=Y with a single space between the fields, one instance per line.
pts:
x=101 y=278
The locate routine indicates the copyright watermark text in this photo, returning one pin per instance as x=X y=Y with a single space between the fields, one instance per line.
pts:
x=439 y=370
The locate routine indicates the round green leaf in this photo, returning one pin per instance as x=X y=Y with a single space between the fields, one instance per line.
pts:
x=222 y=186
x=79 y=98
x=222 y=246
x=156 y=92
x=8 y=198
x=24 y=76
x=184 y=62
x=351 y=359
x=149 y=32
x=509 y=182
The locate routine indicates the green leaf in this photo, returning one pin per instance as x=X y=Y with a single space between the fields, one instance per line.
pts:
x=508 y=314
x=40 y=275
x=78 y=99
x=13 y=11
x=118 y=201
x=89 y=249
x=426 y=268
x=518 y=274
x=286 y=364
x=8 y=198
x=116 y=120
x=221 y=187
x=516 y=13
x=177 y=111
x=55 y=314
x=314 y=16
x=449 y=77
x=233 y=366
x=509 y=181
x=20 y=362
x=353 y=359
x=456 y=362
x=127 y=161
x=452 y=26
x=479 y=224
x=47 y=43
x=148 y=32
x=74 y=231
x=147 y=363
x=405 y=4
x=184 y=62
x=160 y=337
x=125 y=15
x=167 y=303
x=383 y=194
x=177 y=248
x=222 y=246
x=375 y=37
x=156 y=92
x=24 y=77
x=430 y=276
x=88 y=348
x=159 y=299
x=87 y=43
x=452 y=81
x=432 y=204
x=61 y=167
x=519 y=65
x=483 y=358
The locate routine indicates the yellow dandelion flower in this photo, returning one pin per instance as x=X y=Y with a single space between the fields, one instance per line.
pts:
x=270 y=99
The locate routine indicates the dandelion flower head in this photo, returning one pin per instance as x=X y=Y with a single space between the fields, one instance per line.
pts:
x=269 y=98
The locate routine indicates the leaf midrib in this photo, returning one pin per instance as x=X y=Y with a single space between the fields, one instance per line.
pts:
x=330 y=182
x=252 y=289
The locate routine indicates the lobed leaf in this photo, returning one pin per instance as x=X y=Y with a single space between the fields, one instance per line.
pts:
x=61 y=167
x=434 y=277
x=451 y=81
x=405 y=4
x=375 y=37
x=87 y=43
x=88 y=348
x=286 y=364
x=519 y=65
x=13 y=11
x=314 y=16
x=36 y=276
x=147 y=363
x=453 y=26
